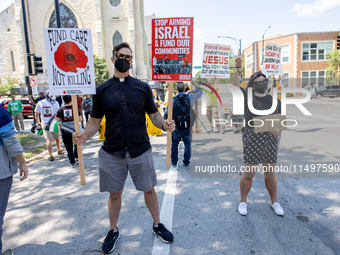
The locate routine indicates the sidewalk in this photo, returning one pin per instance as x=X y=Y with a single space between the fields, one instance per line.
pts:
x=51 y=213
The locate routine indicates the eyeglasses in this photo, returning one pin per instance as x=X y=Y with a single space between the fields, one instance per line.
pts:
x=264 y=81
x=121 y=56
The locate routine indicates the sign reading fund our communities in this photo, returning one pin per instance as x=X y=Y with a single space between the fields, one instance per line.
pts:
x=272 y=59
x=215 y=61
x=172 y=44
x=69 y=58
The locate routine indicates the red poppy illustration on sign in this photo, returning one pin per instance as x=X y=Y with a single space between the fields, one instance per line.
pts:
x=69 y=57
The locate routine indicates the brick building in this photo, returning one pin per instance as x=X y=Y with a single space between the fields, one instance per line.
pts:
x=303 y=56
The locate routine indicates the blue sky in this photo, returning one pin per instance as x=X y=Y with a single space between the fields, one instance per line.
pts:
x=244 y=19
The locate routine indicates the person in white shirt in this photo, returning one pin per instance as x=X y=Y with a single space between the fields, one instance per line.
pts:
x=47 y=109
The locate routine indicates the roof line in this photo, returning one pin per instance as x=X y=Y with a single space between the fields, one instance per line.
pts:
x=6 y=8
x=299 y=33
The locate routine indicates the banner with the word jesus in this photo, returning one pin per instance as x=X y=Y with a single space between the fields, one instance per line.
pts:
x=215 y=61
x=69 y=57
x=272 y=59
x=172 y=44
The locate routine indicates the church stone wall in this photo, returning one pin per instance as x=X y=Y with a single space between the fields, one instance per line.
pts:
x=98 y=15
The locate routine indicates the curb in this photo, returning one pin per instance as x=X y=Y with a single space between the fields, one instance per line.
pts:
x=41 y=155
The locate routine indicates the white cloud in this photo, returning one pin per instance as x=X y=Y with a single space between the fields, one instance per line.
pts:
x=314 y=9
x=198 y=33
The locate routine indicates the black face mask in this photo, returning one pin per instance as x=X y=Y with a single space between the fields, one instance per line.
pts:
x=261 y=88
x=122 y=65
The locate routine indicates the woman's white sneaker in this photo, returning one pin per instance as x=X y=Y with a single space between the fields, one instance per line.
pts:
x=242 y=208
x=277 y=209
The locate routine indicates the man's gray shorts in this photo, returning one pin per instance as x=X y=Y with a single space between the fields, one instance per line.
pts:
x=113 y=171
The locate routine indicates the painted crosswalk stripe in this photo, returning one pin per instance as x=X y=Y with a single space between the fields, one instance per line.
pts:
x=166 y=215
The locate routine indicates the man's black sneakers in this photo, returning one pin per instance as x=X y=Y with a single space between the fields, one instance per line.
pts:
x=164 y=234
x=110 y=241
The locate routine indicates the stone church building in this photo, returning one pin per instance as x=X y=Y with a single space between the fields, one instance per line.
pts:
x=111 y=22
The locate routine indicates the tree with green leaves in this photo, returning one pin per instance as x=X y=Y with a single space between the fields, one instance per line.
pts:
x=100 y=72
x=333 y=66
x=8 y=87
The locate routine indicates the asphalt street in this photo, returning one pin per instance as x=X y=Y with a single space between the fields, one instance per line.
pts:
x=51 y=213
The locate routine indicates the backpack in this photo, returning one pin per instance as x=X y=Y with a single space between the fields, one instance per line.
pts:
x=184 y=115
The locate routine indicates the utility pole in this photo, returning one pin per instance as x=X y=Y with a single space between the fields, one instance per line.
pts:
x=28 y=53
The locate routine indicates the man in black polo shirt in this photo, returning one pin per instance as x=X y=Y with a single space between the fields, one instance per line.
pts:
x=124 y=100
x=35 y=101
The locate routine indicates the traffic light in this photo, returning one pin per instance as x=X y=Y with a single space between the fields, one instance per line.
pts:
x=37 y=65
x=338 y=43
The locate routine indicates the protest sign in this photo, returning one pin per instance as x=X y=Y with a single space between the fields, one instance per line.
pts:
x=215 y=61
x=272 y=59
x=172 y=44
x=69 y=57
x=265 y=123
x=70 y=68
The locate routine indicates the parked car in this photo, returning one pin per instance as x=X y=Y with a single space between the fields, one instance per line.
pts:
x=328 y=91
x=26 y=112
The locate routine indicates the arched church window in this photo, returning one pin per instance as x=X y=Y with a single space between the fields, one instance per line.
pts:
x=114 y=2
x=117 y=38
x=12 y=60
x=68 y=20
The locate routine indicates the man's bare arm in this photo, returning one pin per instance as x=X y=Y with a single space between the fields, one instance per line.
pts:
x=37 y=119
x=92 y=127
x=157 y=119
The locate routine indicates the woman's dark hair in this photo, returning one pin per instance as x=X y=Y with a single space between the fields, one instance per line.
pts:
x=67 y=99
x=120 y=46
x=253 y=77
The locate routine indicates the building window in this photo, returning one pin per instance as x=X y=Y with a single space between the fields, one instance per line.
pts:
x=285 y=80
x=285 y=52
x=114 y=2
x=117 y=39
x=12 y=60
x=68 y=20
x=250 y=61
x=313 y=77
x=316 y=50
x=321 y=78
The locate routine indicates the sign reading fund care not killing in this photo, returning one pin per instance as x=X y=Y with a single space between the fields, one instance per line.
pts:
x=172 y=44
x=215 y=61
x=69 y=58
x=272 y=59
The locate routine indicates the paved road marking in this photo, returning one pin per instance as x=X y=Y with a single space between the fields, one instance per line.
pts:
x=160 y=248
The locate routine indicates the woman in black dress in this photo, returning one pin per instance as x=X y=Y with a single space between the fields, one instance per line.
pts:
x=258 y=148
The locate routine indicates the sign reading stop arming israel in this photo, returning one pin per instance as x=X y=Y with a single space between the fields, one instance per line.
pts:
x=215 y=61
x=69 y=58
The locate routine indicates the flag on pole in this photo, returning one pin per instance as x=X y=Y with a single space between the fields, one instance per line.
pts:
x=52 y=125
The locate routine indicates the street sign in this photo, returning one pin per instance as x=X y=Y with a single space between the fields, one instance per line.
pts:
x=197 y=67
x=34 y=85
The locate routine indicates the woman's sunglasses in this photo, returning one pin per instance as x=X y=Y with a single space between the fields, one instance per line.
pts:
x=121 y=56
x=264 y=81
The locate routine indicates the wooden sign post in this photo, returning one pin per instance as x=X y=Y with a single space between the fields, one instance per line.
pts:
x=168 y=148
x=79 y=146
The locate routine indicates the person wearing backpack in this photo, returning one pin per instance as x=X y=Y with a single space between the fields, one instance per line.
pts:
x=184 y=117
